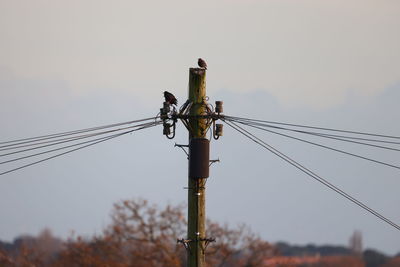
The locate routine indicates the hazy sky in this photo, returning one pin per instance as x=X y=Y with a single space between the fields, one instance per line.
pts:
x=67 y=65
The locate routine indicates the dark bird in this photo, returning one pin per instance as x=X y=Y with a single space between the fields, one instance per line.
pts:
x=170 y=98
x=202 y=63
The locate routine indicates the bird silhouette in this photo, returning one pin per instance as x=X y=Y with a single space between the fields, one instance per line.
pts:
x=202 y=63
x=170 y=98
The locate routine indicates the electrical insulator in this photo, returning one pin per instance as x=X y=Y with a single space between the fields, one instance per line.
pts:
x=166 y=130
x=219 y=107
x=219 y=129
x=166 y=107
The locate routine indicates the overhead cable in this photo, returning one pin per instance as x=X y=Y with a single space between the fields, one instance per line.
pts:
x=309 y=173
x=327 y=147
x=61 y=134
x=315 y=127
x=81 y=147
x=344 y=138
x=64 y=140
x=68 y=146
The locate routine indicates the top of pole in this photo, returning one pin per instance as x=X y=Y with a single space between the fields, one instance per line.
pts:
x=199 y=70
x=197 y=96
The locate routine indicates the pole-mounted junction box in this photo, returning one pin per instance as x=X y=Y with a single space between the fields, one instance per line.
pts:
x=199 y=158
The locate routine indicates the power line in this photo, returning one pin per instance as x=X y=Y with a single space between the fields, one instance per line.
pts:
x=51 y=142
x=315 y=127
x=81 y=147
x=63 y=140
x=55 y=135
x=333 y=137
x=309 y=173
x=65 y=147
x=326 y=147
x=325 y=135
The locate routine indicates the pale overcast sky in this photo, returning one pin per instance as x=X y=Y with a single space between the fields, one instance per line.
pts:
x=67 y=65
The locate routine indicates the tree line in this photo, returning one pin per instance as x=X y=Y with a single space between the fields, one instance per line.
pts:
x=144 y=234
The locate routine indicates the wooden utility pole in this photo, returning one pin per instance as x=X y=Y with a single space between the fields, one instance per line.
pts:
x=198 y=162
x=197 y=116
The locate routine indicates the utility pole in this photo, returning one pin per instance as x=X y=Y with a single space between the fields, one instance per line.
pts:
x=198 y=163
x=197 y=116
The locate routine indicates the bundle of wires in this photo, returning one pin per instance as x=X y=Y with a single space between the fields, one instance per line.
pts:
x=360 y=138
x=42 y=148
x=378 y=141
x=45 y=147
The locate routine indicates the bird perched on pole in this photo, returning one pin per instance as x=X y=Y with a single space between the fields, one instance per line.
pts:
x=170 y=98
x=202 y=63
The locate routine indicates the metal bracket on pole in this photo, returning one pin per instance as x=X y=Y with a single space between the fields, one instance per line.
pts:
x=182 y=147
x=213 y=161
x=207 y=241
x=185 y=243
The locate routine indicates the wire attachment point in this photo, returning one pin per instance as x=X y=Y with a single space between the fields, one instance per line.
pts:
x=166 y=116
